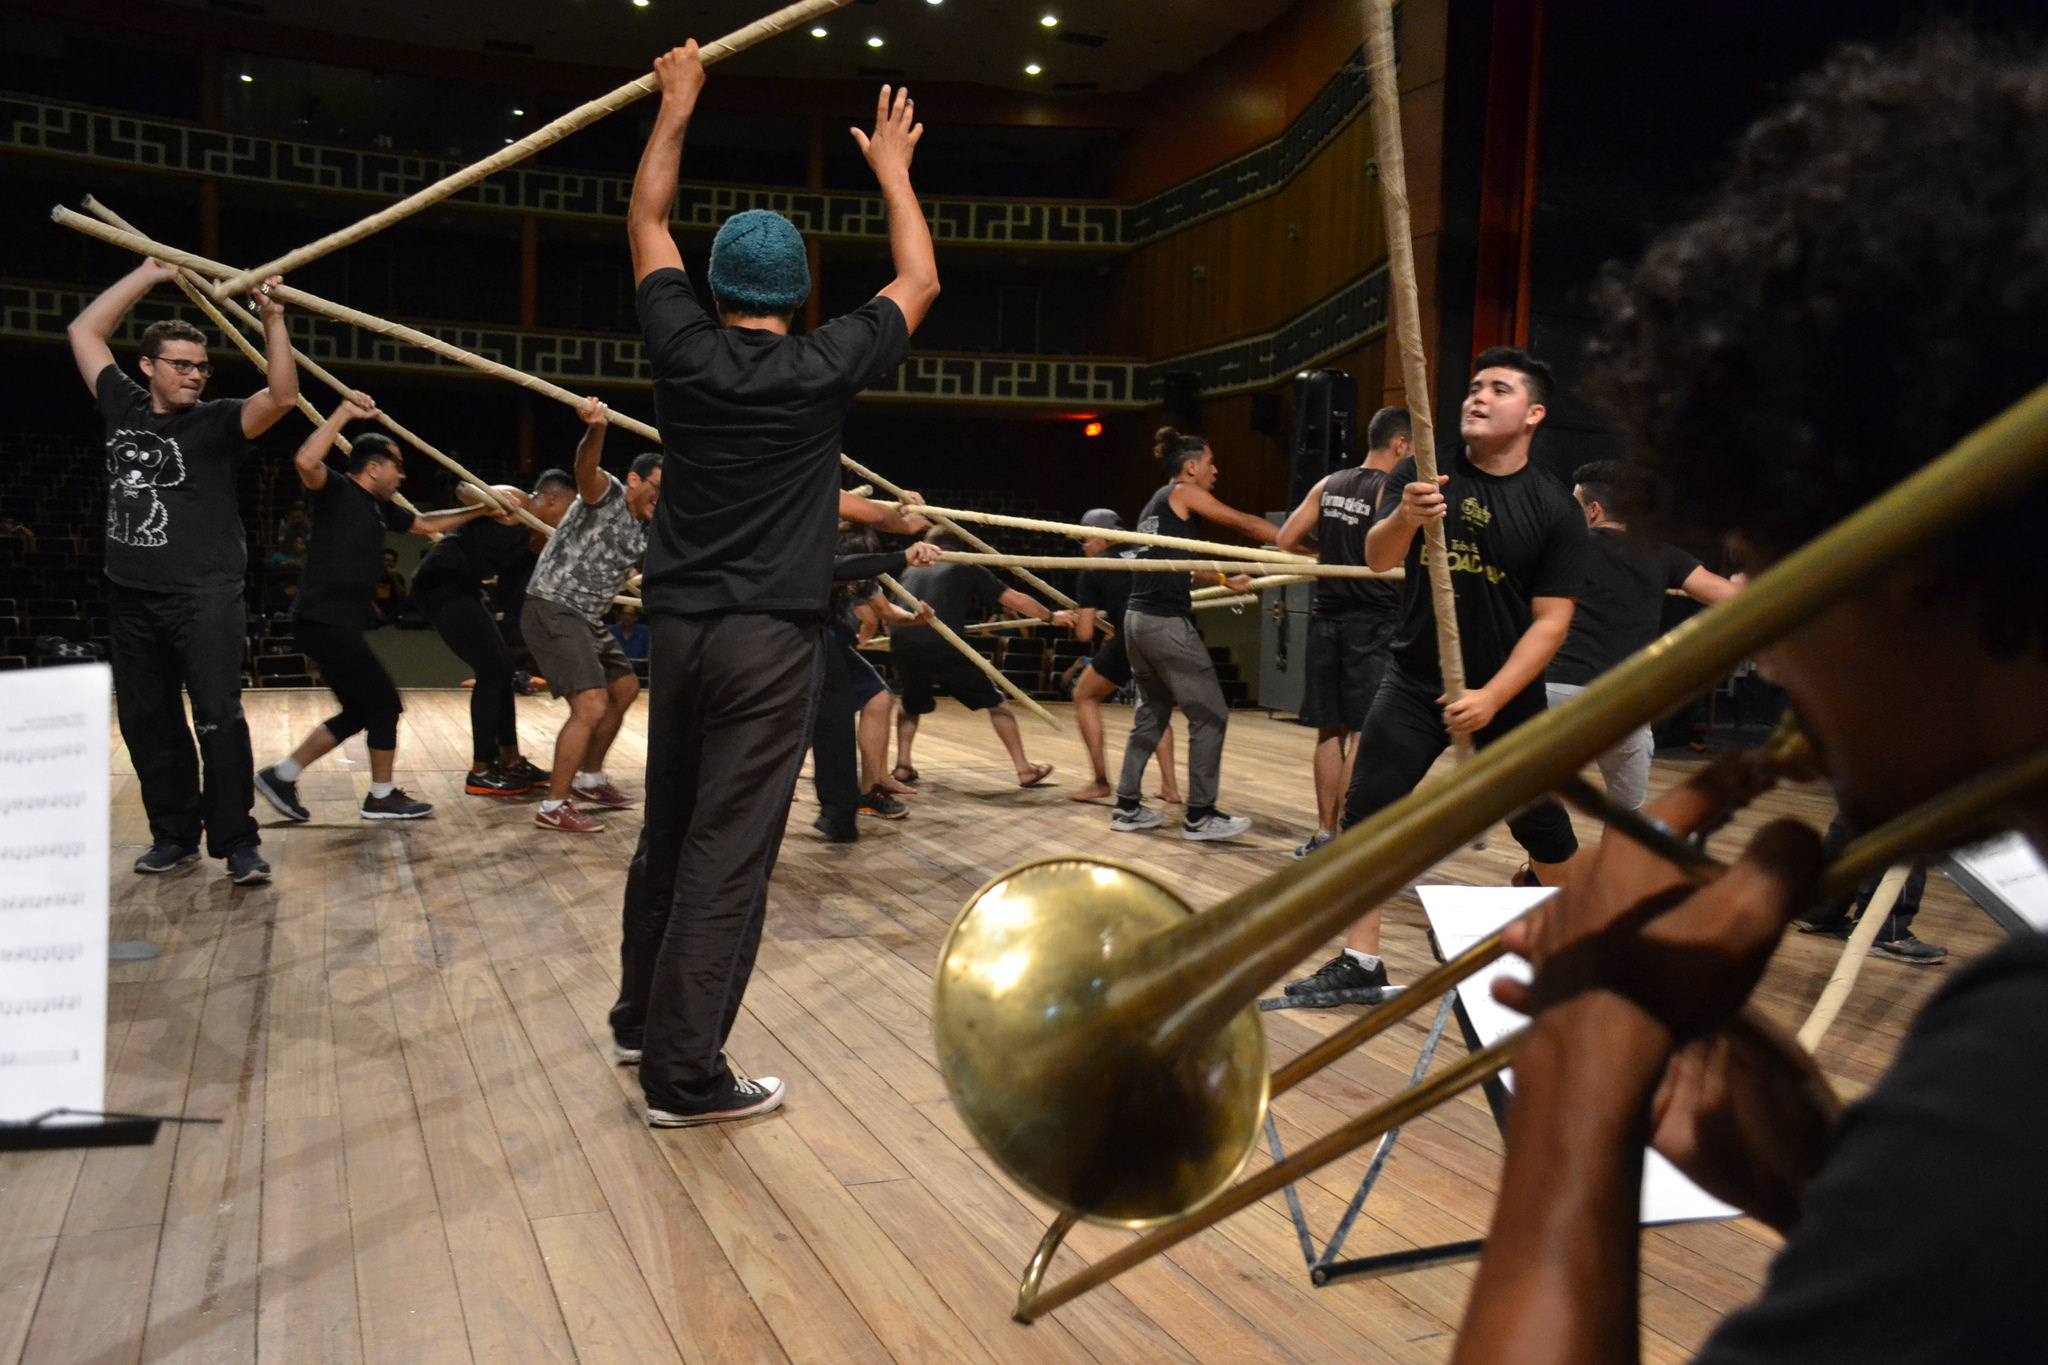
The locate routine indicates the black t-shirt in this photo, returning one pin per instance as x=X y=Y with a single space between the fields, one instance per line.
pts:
x=472 y=552
x=955 y=591
x=345 y=560
x=1512 y=537
x=1620 y=605
x=750 y=433
x=1344 y=515
x=172 y=522
x=1919 y=1239
x=1164 y=594
x=1107 y=590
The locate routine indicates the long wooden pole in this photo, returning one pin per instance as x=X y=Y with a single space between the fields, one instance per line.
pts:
x=1226 y=567
x=1854 y=954
x=1407 y=309
x=950 y=636
x=583 y=115
x=313 y=303
x=1110 y=533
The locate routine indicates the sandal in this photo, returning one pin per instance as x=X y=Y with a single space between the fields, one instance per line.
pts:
x=905 y=774
x=1039 y=772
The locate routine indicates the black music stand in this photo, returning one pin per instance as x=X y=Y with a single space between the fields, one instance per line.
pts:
x=38 y=1134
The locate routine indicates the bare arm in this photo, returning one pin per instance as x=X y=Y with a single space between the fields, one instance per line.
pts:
x=1084 y=625
x=854 y=507
x=1207 y=506
x=434 y=523
x=888 y=151
x=1524 y=665
x=1024 y=604
x=1300 y=527
x=654 y=184
x=590 y=476
x=311 y=459
x=1704 y=585
x=280 y=372
x=1393 y=530
x=90 y=331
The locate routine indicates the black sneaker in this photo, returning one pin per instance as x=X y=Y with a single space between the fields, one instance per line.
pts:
x=879 y=802
x=1341 y=973
x=247 y=868
x=396 y=806
x=1906 y=948
x=1834 y=926
x=747 y=1099
x=836 y=832
x=166 y=857
x=281 y=794
x=492 y=781
x=529 y=772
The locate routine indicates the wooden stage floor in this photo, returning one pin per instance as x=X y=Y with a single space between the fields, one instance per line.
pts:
x=426 y=1155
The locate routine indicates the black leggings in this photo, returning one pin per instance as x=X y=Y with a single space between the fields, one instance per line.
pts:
x=369 y=700
x=465 y=624
x=1404 y=732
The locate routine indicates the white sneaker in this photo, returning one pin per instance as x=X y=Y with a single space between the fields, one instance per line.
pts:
x=749 y=1097
x=1131 y=821
x=1215 y=825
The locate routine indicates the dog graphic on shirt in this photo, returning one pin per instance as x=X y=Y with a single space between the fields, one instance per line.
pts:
x=138 y=464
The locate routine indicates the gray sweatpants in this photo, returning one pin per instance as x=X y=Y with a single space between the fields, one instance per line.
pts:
x=1626 y=767
x=1171 y=667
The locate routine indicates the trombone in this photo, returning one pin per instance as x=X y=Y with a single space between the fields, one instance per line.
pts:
x=1102 y=1041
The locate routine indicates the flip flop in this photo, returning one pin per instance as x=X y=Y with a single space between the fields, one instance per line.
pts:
x=1039 y=772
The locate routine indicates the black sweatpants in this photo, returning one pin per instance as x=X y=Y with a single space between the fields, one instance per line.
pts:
x=162 y=643
x=727 y=726
x=458 y=613
x=1900 y=922
x=1403 y=735
x=369 y=699
x=835 y=742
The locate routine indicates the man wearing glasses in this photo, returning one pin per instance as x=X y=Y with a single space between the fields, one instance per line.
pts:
x=175 y=565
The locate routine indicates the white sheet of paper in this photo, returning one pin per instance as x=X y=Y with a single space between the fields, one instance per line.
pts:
x=1461 y=917
x=2009 y=868
x=54 y=783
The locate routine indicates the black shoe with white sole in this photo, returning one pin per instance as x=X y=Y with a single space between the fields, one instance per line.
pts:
x=395 y=805
x=747 y=1099
x=281 y=794
x=166 y=858
x=247 y=868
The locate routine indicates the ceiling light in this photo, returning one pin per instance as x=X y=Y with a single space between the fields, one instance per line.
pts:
x=931 y=2
x=1049 y=20
x=518 y=113
x=875 y=40
x=639 y=4
x=818 y=32
x=1032 y=69
x=247 y=79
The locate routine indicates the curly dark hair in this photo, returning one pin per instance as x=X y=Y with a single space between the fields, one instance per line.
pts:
x=1868 y=287
x=170 y=329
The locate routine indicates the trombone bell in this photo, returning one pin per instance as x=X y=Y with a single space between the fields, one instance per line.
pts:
x=1058 y=1084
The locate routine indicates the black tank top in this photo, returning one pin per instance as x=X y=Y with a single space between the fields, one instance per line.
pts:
x=1349 y=497
x=1164 y=594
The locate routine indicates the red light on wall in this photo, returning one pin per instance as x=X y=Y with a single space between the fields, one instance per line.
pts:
x=1092 y=429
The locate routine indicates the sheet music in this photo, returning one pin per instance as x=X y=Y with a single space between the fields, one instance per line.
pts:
x=2006 y=877
x=1461 y=917
x=54 y=784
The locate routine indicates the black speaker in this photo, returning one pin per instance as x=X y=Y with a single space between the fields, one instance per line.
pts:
x=1325 y=428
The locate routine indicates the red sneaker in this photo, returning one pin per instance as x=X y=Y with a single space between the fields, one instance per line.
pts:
x=604 y=796
x=567 y=819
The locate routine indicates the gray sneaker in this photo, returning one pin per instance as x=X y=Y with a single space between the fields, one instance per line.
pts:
x=1316 y=841
x=1906 y=948
x=1135 y=819
x=247 y=868
x=1215 y=825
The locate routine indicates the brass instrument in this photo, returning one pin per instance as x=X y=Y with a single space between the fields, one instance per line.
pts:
x=1103 y=1043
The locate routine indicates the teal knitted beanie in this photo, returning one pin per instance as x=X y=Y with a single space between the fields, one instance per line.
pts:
x=758 y=265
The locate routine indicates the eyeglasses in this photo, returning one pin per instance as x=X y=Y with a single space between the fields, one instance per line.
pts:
x=203 y=368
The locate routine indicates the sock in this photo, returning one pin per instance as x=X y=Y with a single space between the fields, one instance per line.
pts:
x=287 y=769
x=1197 y=814
x=588 y=780
x=1326 y=834
x=1127 y=804
x=1365 y=960
x=550 y=807
x=382 y=789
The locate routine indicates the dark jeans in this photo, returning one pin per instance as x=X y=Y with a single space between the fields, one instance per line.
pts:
x=161 y=643
x=1404 y=732
x=835 y=742
x=1901 y=918
x=356 y=676
x=465 y=625
x=727 y=726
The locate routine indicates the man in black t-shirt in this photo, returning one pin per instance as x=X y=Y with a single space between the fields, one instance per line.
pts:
x=176 y=561
x=921 y=657
x=1099 y=599
x=1619 y=612
x=335 y=605
x=1517 y=550
x=737 y=579
x=1351 y=622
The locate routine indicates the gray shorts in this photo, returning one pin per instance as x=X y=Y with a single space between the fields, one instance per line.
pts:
x=573 y=654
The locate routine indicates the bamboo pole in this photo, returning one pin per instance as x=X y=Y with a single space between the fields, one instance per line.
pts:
x=1854 y=954
x=313 y=303
x=1029 y=579
x=190 y=281
x=947 y=633
x=1406 y=306
x=1226 y=567
x=582 y=116
x=1278 y=580
x=1111 y=533
x=1241 y=600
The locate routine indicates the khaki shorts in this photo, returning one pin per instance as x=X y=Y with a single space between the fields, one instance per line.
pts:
x=573 y=655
